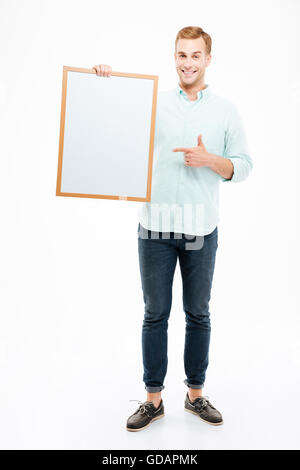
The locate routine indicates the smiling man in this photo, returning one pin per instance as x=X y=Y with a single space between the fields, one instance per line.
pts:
x=199 y=143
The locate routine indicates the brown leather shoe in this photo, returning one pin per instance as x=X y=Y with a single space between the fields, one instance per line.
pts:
x=204 y=409
x=144 y=415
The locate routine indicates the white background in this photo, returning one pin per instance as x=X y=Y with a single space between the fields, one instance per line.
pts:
x=71 y=298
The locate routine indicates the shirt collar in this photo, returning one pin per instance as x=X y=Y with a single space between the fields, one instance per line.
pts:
x=202 y=94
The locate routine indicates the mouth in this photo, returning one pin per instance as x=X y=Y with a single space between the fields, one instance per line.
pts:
x=188 y=73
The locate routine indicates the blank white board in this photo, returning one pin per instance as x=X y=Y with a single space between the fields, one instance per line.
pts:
x=107 y=134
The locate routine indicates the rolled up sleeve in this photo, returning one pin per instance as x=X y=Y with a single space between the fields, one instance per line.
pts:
x=236 y=147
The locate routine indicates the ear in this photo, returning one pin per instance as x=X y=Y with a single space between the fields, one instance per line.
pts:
x=208 y=59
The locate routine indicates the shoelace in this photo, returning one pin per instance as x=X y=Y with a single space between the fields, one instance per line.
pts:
x=144 y=406
x=202 y=402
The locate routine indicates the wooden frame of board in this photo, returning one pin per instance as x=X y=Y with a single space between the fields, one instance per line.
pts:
x=59 y=192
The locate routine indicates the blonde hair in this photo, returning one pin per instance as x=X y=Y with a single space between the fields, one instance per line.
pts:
x=194 y=32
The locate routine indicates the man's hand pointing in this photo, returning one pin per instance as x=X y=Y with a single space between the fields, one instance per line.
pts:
x=195 y=156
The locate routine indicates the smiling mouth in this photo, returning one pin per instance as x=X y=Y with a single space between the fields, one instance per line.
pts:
x=188 y=73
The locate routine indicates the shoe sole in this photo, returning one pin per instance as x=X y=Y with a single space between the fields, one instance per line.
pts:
x=140 y=429
x=209 y=422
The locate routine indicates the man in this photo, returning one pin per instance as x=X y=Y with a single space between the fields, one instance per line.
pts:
x=199 y=142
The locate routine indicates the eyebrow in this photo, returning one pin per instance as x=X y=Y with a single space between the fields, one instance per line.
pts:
x=181 y=52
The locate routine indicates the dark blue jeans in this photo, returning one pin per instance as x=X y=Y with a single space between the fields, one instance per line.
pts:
x=158 y=258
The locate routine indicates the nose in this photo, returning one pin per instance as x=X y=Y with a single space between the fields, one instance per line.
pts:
x=188 y=63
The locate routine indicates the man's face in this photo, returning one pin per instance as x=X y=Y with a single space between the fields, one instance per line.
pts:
x=191 y=61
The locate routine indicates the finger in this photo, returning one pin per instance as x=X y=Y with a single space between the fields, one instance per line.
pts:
x=100 y=70
x=200 y=139
x=103 y=70
x=106 y=70
x=181 y=149
x=97 y=69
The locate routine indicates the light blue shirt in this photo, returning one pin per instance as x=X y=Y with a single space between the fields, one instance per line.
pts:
x=185 y=199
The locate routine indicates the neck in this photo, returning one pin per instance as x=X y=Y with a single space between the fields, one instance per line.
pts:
x=192 y=90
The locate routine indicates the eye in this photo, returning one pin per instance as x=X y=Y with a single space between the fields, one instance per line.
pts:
x=196 y=56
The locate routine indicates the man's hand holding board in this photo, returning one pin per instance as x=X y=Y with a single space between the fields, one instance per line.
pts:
x=103 y=70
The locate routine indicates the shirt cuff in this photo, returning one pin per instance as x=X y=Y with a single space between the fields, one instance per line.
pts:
x=241 y=169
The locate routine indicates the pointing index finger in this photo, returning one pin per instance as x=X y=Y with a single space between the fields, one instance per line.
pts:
x=181 y=149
